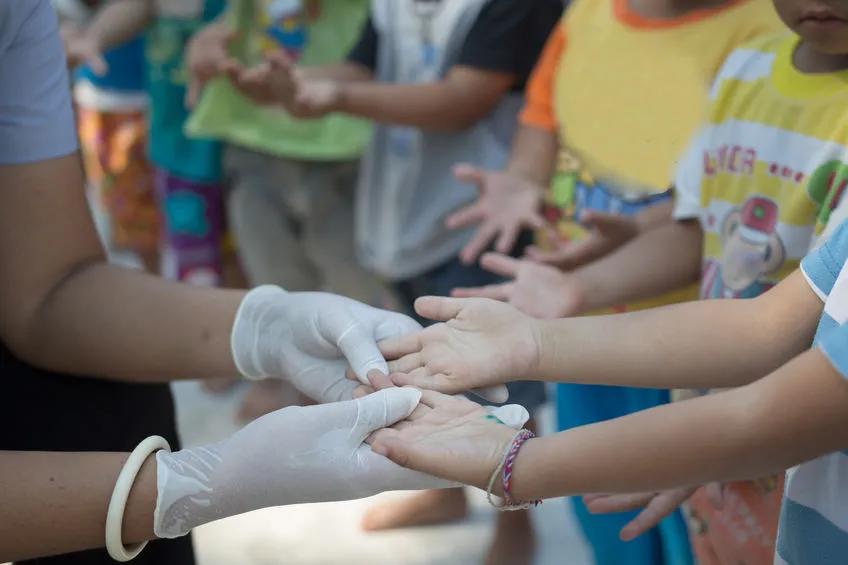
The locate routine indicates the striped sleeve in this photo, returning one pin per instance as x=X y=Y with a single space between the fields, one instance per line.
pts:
x=821 y=267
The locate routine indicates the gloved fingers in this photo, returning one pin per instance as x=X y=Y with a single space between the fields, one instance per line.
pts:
x=326 y=382
x=391 y=324
x=512 y=415
x=386 y=475
x=383 y=409
x=359 y=347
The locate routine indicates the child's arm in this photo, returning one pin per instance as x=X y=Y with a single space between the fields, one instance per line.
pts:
x=710 y=344
x=796 y=414
x=118 y=21
x=656 y=259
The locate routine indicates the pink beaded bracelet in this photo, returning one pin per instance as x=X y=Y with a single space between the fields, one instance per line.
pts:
x=504 y=472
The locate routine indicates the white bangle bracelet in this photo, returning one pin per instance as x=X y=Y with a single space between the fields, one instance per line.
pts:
x=117 y=504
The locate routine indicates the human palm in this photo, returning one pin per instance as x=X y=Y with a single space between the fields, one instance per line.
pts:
x=451 y=438
x=481 y=343
x=507 y=204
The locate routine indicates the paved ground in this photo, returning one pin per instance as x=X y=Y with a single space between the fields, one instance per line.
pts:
x=329 y=533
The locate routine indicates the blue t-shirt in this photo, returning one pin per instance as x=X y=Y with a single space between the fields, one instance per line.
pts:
x=170 y=149
x=126 y=69
x=36 y=118
x=814 y=517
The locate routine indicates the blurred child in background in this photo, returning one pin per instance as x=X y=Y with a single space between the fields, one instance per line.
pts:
x=111 y=107
x=291 y=182
x=188 y=171
x=619 y=91
x=442 y=80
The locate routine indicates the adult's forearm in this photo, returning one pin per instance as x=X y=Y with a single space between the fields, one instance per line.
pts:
x=119 y=21
x=658 y=261
x=707 y=344
x=52 y=503
x=534 y=154
x=746 y=433
x=106 y=321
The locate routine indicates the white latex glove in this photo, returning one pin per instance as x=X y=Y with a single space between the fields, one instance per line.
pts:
x=310 y=338
x=292 y=456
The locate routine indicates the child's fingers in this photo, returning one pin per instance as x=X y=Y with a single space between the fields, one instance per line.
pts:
x=507 y=238
x=499 y=292
x=362 y=390
x=406 y=364
x=433 y=399
x=478 y=244
x=469 y=174
x=421 y=379
x=501 y=264
x=439 y=308
x=471 y=214
x=379 y=381
x=398 y=347
x=607 y=504
x=658 y=508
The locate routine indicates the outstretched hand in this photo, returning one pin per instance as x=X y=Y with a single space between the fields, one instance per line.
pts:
x=479 y=344
x=540 y=291
x=207 y=53
x=278 y=81
x=83 y=49
x=452 y=438
x=506 y=205
x=655 y=506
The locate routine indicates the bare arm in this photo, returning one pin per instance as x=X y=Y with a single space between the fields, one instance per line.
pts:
x=119 y=21
x=661 y=259
x=52 y=503
x=794 y=415
x=457 y=102
x=534 y=155
x=707 y=344
x=63 y=308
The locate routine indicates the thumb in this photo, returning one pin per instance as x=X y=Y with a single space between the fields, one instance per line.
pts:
x=439 y=308
x=469 y=174
x=383 y=409
x=359 y=346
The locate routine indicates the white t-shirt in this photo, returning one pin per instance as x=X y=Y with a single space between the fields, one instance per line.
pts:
x=36 y=118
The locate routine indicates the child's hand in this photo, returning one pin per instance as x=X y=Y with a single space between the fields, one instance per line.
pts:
x=206 y=54
x=538 y=290
x=83 y=49
x=278 y=81
x=507 y=204
x=655 y=506
x=608 y=233
x=481 y=344
x=452 y=438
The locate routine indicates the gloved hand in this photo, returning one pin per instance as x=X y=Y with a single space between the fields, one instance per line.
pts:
x=292 y=456
x=310 y=338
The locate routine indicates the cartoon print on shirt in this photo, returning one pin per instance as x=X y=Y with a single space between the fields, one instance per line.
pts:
x=751 y=249
x=826 y=186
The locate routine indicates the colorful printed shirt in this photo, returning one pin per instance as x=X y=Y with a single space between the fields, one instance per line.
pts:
x=814 y=516
x=765 y=178
x=620 y=128
x=176 y=21
x=315 y=32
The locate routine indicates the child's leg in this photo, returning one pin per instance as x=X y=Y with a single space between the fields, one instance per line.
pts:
x=264 y=219
x=193 y=229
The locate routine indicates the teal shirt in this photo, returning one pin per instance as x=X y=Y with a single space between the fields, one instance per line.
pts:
x=170 y=149
x=225 y=114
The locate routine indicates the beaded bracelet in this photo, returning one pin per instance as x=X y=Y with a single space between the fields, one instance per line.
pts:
x=504 y=472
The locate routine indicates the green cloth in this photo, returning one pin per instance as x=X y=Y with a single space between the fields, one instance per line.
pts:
x=223 y=113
